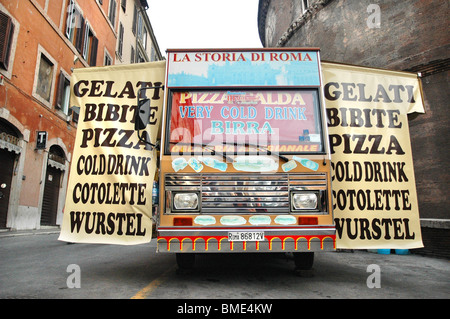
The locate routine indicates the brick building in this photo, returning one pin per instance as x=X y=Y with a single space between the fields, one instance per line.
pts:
x=41 y=42
x=409 y=36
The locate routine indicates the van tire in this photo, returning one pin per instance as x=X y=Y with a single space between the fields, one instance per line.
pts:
x=185 y=260
x=304 y=261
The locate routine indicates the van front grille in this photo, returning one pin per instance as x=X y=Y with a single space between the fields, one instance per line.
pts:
x=244 y=193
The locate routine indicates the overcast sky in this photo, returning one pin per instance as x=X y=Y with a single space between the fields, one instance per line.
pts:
x=180 y=24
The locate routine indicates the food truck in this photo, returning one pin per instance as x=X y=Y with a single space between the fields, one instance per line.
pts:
x=238 y=146
x=244 y=158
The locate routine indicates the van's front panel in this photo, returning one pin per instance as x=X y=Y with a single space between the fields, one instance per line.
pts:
x=235 y=212
x=245 y=163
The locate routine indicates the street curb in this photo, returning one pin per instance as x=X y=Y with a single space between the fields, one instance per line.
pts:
x=31 y=232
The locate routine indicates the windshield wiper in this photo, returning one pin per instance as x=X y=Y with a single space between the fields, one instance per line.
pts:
x=268 y=152
x=259 y=147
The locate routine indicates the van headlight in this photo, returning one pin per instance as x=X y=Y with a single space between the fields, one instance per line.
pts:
x=304 y=200
x=185 y=201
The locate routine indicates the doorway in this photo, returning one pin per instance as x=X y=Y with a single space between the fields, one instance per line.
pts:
x=7 y=160
x=52 y=186
x=9 y=153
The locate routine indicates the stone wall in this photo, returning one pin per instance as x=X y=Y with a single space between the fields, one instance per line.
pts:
x=412 y=36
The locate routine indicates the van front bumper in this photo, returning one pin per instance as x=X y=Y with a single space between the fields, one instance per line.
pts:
x=276 y=239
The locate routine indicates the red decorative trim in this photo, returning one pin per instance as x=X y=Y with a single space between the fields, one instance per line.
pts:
x=220 y=239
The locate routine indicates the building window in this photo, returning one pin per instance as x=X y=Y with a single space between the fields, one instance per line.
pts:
x=133 y=26
x=152 y=54
x=305 y=5
x=75 y=112
x=45 y=78
x=140 y=58
x=132 y=55
x=63 y=93
x=80 y=33
x=6 y=38
x=87 y=40
x=123 y=4
x=90 y=45
x=144 y=38
x=112 y=12
x=108 y=59
x=120 y=44
x=92 y=56
x=75 y=26
x=139 y=27
x=74 y=23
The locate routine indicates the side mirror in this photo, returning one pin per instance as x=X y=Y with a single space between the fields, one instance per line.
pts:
x=142 y=115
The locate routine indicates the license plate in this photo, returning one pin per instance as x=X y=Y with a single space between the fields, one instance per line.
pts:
x=245 y=236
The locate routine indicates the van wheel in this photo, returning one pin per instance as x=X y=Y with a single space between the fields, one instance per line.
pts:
x=185 y=260
x=304 y=261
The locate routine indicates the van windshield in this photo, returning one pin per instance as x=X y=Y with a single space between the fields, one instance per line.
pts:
x=281 y=121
